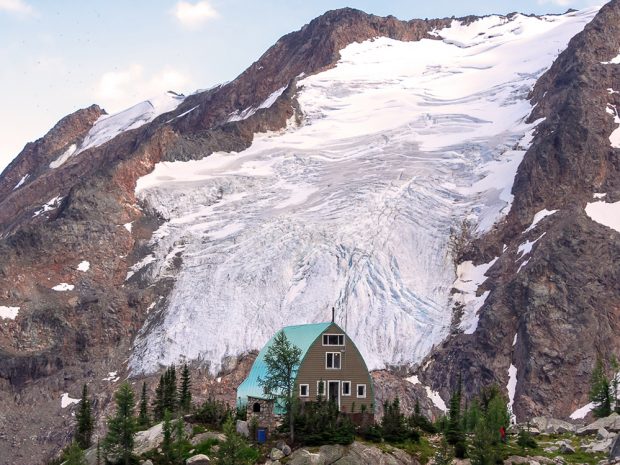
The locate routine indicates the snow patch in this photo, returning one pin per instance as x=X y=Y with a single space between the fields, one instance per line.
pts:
x=83 y=266
x=600 y=195
x=8 y=313
x=512 y=387
x=108 y=127
x=582 y=411
x=21 y=181
x=65 y=400
x=614 y=137
x=539 y=216
x=514 y=340
x=64 y=157
x=245 y=114
x=432 y=395
x=522 y=265
x=613 y=61
x=469 y=278
x=112 y=377
x=141 y=264
x=62 y=287
x=52 y=204
x=526 y=247
x=128 y=226
x=607 y=214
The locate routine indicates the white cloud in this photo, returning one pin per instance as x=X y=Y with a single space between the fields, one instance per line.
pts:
x=16 y=6
x=117 y=90
x=193 y=15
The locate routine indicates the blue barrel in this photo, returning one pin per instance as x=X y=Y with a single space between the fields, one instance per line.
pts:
x=261 y=435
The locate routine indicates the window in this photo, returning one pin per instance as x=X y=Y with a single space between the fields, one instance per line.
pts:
x=304 y=390
x=346 y=388
x=320 y=388
x=333 y=339
x=361 y=390
x=332 y=360
x=256 y=407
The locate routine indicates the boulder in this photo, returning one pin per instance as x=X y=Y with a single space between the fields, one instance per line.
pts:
x=552 y=425
x=599 y=446
x=517 y=460
x=149 y=439
x=276 y=454
x=243 y=429
x=602 y=433
x=199 y=459
x=566 y=448
x=146 y=462
x=286 y=450
x=610 y=423
x=355 y=454
x=202 y=437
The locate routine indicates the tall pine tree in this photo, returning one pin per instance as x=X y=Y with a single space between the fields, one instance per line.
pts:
x=158 y=401
x=119 y=440
x=143 y=415
x=170 y=390
x=600 y=391
x=454 y=433
x=85 y=421
x=185 y=396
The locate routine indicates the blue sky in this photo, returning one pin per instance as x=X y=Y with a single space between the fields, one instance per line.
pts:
x=58 y=56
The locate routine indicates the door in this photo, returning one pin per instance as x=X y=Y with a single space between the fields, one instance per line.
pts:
x=333 y=390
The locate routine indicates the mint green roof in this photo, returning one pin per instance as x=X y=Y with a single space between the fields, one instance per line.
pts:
x=301 y=335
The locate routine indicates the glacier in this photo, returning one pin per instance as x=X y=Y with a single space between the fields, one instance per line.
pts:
x=354 y=208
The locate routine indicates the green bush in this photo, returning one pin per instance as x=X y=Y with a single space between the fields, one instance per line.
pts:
x=213 y=413
x=321 y=423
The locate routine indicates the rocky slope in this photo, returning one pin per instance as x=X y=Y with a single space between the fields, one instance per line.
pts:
x=551 y=312
x=71 y=228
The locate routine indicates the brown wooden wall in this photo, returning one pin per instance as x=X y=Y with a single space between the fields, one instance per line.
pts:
x=353 y=368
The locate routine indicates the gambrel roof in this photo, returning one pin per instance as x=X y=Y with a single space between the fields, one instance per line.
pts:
x=303 y=336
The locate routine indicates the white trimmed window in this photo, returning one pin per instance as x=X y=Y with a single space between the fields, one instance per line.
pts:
x=332 y=360
x=346 y=388
x=320 y=388
x=361 y=390
x=304 y=390
x=333 y=339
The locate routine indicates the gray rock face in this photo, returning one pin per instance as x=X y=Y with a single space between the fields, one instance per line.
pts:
x=614 y=449
x=199 y=459
x=610 y=424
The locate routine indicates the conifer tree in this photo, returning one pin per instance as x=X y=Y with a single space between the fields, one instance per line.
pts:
x=600 y=391
x=231 y=451
x=98 y=457
x=85 y=421
x=166 y=445
x=615 y=383
x=143 y=416
x=179 y=432
x=185 y=395
x=158 y=401
x=170 y=390
x=74 y=455
x=454 y=433
x=282 y=359
x=119 y=440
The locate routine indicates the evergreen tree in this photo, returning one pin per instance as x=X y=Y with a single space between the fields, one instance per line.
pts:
x=232 y=451
x=483 y=451
x=119 y=440
x=74 y=455
x=158 y=401
x=281 y=359
x=170 y=390
x=454 y=432
x=185 y=396
x=600 y=391
x=143 y=416
x=85 y=421
x=166 y=445
x=179 y=440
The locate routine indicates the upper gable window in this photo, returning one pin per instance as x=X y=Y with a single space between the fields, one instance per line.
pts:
x=333 y=339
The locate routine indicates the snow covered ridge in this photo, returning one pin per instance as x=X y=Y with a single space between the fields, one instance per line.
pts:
x=354 y=209
x=108 y=127
x=8 y=313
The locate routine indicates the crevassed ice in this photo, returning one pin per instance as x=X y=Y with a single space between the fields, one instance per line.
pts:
x=353 y=209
